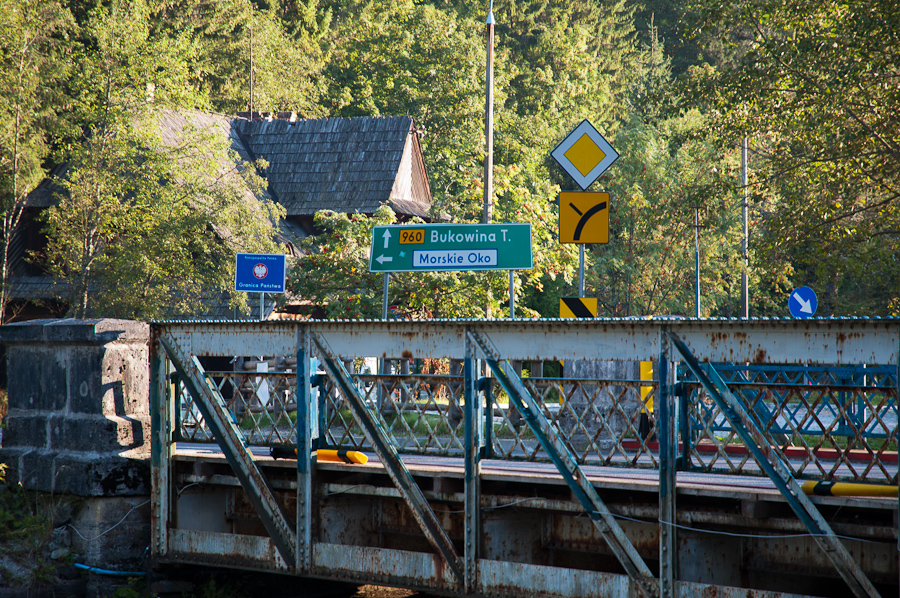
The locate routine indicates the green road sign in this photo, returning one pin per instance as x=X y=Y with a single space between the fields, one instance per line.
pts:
x=431 y=247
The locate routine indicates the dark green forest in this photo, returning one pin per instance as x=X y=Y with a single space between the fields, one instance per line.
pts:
x=674 y=86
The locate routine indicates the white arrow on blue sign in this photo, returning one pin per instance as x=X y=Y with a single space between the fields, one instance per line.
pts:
x=803 y=302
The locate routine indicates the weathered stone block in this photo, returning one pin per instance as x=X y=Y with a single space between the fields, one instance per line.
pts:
x=106 y=475
x=113 y=532
x=37 y=379
x=110 y=380
x=85 y=381
x=25 y=430
x=68 y=330
x=125 y=371
x=36 y=470
x=99 y=434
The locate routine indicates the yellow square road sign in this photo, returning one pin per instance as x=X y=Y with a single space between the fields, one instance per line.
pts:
x=583 y=217
x=584 y=154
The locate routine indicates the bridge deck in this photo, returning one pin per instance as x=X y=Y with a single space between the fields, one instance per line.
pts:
x=741 y=487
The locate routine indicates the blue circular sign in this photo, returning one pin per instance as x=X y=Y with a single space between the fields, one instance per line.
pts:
x=803 y=302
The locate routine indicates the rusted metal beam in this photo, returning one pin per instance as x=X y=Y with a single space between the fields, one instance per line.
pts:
x=596 y=509
x=229 y=439
x=758 y=340
x=162 y=427
x=668 y=442
x=474 y=435
x=765 y=451
x=394 y=466
x=307 y=432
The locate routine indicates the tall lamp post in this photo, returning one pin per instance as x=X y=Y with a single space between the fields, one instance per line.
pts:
x=745 y=254
x=696 y=227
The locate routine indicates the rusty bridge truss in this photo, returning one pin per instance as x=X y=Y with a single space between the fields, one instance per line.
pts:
x=669 y=460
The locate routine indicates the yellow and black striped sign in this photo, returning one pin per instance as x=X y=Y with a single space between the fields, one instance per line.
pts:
x=577 y=307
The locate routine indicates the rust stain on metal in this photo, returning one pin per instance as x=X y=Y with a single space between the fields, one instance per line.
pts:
x=407 y=354
x=760 y=356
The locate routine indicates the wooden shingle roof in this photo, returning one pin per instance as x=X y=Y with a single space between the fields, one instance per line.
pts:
x=341 y=164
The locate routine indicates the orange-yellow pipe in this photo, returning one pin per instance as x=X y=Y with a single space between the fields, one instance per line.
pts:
x=333 y=455
x=341 y=456
x=848 y=489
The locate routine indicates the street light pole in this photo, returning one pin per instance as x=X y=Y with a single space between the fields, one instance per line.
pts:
x=489 y=118
x=697 y=259
x=745 y=255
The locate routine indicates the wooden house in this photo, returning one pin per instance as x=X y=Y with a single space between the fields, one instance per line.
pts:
x=350 y=165
x=340 y=164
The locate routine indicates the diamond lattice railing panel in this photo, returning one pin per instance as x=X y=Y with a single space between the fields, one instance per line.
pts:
x=837 y=423
x=831 y=423
x=600 y=422
x=263 y=404
x=421 y=414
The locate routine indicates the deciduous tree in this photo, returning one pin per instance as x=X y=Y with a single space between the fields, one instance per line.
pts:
x=32 y=64
x=148 y=224
x=818 y=94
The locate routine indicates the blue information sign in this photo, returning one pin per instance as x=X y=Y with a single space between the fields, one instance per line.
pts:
x=259 y=273
x=803 y=302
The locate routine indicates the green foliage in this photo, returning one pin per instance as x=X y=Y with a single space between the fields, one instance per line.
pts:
x=171 y=244
x=135 y=589
x=817 y=93
x=161 y=217
x=32 y=66
x=211 y=589
x=813 y=83
x=408 y=58
x=25 y=529
x=566 y=61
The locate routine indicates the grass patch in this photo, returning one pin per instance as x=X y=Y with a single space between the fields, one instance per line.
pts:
x=843 y=443
x=419 y=424
x=264 y=419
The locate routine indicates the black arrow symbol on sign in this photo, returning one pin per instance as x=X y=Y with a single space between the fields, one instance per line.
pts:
x=585 y=217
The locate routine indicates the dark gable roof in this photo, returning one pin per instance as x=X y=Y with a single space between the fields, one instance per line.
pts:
x=341 y=164
x=44 y=195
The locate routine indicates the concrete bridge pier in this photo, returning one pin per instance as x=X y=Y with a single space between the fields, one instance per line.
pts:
x=78 y=430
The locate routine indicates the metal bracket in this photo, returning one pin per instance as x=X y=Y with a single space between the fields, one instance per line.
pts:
x=764 y=451
x=230 y=440
x=394 y=466
x=596 y=509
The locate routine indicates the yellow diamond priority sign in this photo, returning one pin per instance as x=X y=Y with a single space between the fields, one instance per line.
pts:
x=584 y=154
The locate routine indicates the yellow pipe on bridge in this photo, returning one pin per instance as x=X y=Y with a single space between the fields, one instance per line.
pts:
x=847 y=489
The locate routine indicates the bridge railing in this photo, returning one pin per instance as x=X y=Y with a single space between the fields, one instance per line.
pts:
x=833 y=423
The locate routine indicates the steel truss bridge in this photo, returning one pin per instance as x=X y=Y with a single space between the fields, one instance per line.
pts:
x=487 y=477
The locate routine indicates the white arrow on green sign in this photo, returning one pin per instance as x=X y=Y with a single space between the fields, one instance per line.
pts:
x=434 y=247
